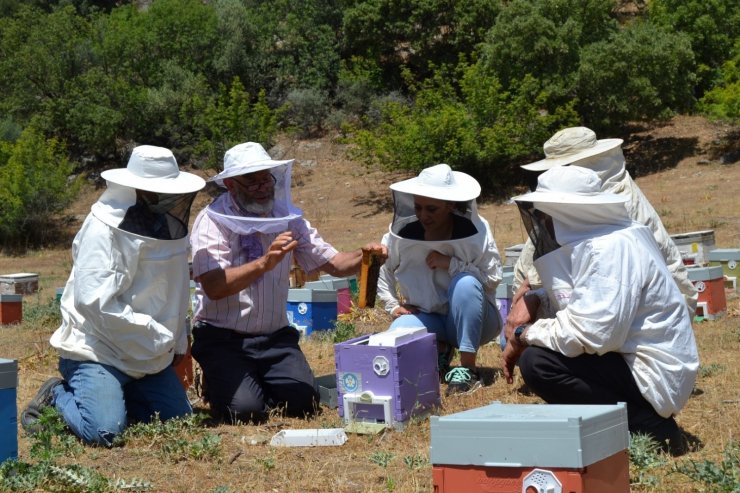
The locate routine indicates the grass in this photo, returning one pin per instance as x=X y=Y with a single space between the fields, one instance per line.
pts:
x=196 y=455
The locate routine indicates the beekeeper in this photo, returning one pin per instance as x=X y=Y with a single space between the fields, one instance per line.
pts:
x=625 y=333
x=443 y=268
x=125 y=304
x=578 y=146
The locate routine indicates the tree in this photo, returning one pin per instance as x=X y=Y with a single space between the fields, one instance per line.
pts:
x=713 y=26
x=35 y=175
x=640 y=73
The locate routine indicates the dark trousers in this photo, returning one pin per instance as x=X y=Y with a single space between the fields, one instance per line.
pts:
x=592 y=379
x=247 y=376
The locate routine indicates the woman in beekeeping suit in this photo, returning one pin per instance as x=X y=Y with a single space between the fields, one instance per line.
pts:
x=442 y=269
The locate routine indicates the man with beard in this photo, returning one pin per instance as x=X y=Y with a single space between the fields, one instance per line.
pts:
x=243 y=245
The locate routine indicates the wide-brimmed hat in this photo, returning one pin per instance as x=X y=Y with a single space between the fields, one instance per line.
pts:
x=570 y=185
x=248 y=157
x=440 y=182
x=154 y=169
x=570 y=145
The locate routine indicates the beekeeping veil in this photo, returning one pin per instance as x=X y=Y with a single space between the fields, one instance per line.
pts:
x=150 y=197
x=251 y=157
x=437 y=182
x=567 y=207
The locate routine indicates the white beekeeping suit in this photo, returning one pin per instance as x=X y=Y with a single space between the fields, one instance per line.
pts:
x=621 y=299
x=578 y=146
x=125 y=302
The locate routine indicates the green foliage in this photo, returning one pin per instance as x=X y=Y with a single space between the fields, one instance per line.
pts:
x=723 y=100
x=415 y=461
x=53 y=441
x=482 y=129
x=414 y=34
x=343 y=331
x=645 y=455
x=543 y=38
x=35 y=188
x=706 y=371
x=304 y=111
x=228 y=119
x=713 y=26
x=381 y=458
x=47 y=315
x=641 y=73
x=718 y=478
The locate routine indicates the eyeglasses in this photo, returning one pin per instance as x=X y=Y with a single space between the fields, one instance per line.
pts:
x=252 y=186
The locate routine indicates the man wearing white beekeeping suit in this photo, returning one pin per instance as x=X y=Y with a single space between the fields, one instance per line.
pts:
x=125 y=304
x=578 y=146
x=625 y=333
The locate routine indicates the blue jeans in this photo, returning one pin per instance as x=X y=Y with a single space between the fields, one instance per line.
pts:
x=97 y=400
x=470 y=322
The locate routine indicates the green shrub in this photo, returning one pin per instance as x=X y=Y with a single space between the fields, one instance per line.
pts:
x=36 y=188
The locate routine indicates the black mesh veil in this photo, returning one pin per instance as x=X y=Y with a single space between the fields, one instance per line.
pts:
x=539 y=228
x=163 y=216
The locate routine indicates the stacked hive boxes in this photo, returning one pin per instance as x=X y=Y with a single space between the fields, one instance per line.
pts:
x=515 y=448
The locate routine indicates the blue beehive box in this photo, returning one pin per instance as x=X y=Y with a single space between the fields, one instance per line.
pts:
x=312 y=310
x=8 y=411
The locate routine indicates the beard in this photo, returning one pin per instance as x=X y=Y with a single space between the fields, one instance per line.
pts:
x=252 y=207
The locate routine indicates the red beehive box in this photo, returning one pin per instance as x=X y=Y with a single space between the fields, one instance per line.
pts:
x=710 y=283
x=531 y=448
x=11 y=309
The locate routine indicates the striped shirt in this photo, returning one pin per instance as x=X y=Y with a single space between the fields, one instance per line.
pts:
x=261 y=307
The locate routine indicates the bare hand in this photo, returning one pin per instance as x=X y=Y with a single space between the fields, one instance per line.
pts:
x=523 y=288
x=378 y=249
x=279 y=248
x=436 y=260
x=523 y=311
x=509 y=357
x=178 y=359
x=404 y=310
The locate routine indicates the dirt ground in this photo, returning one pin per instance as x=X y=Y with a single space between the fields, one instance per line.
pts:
x=679 y=166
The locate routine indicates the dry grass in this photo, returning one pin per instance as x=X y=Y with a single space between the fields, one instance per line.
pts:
x=349 y=206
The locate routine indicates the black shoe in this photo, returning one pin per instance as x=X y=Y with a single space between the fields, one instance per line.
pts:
x=462 y=380
x=443 y=361
x=43 y=399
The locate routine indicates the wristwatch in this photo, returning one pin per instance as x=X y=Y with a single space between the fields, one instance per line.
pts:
x=518 y=333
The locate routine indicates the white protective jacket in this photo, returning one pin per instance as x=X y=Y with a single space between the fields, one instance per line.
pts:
x=125 y=303
x=405 y=278
x=610 y=166
x=622 y=299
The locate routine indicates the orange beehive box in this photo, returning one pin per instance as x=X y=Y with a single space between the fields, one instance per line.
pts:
x=11 y=309
x=610 y=475
x=710 y=283
x=531 y=448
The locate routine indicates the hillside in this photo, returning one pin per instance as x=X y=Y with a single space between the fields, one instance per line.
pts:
x=679 y=167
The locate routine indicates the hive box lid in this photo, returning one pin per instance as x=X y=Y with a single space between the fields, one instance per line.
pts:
x=328 y=283
x=705 y=273
x=693 y=236
x=21 y=276
x=11 y=298
x=529 y=435
x=724 y=254
x=298 y=295
x=8 y=373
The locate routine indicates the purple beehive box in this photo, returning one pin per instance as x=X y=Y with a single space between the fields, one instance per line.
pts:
x=390 y=382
